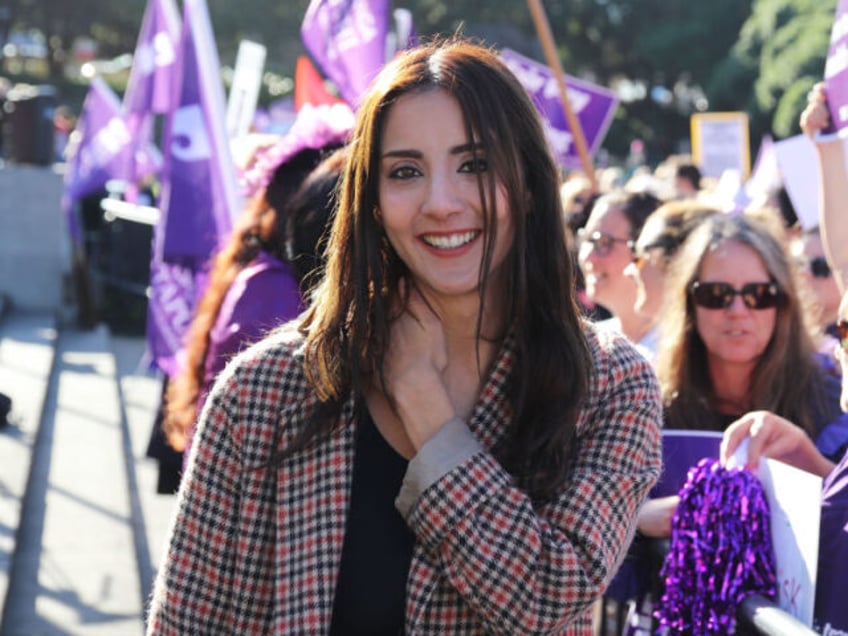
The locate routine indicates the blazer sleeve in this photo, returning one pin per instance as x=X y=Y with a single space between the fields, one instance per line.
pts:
x=534 y=570
x=192 y=591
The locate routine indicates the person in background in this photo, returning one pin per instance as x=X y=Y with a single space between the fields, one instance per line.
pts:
x=257 y=283
x=687 y=180
x=605 y=247
x=808 y=250
x=441 y=444
x=653 y=251
x=736 y=345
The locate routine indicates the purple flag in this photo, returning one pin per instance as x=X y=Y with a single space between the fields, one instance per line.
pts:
x=150 y=88
x=836 y=71
x=594 y=107
x=347 y=39
x=198 y=199
x=100 y=143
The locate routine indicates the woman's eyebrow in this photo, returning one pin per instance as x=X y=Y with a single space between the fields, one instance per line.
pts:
x=402 y=152
x=417 y=154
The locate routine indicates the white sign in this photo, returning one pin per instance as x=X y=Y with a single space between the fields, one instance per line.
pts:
x=247 y=80
x=794 y=499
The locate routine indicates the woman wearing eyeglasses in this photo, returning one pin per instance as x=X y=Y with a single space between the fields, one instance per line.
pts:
x=736 y=345
x=605 y=251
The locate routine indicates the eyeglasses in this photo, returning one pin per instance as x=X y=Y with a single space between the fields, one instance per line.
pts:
x=842 y=333
x=819 y=267
x=721 y=295
x=601 y=243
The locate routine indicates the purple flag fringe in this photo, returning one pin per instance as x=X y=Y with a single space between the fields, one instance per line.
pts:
x=720 y=551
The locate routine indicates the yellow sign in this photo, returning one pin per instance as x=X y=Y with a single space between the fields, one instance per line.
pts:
x=720 y=142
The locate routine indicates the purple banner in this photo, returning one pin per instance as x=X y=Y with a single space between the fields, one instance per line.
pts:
x=101 y=142
x=347 y=40
x=836 y=71
x=198 y=199
x=681 y=450
x=594 y=107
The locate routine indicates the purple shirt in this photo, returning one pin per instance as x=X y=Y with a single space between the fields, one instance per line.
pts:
x=264 y=295
x=831 y=612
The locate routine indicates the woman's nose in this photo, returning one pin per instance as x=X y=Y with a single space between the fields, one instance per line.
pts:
x=443 y=197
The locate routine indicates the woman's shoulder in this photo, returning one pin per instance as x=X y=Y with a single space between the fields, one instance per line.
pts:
x=260 y=387
x=272 y=367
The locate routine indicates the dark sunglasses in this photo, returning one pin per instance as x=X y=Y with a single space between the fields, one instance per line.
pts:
x=721 y=295
x=602 y=243
x=842 y=333
x=819 y=267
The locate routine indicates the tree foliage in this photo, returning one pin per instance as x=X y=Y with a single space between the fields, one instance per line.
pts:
x=675 y=56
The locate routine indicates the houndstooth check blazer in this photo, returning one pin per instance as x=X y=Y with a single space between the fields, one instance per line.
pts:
x=255 y=550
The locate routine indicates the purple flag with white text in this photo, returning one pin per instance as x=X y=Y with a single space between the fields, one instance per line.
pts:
x=593 y=105
x=198 y=201
x=100 y=143
x=151 y=85
x=174 y=292
x=347 y=39
x=150 y=89
x=836 y=71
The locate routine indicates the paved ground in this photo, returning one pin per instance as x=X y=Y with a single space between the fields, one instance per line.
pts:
x=81 y=528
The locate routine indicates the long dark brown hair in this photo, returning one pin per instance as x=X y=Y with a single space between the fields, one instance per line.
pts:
x=347 y=328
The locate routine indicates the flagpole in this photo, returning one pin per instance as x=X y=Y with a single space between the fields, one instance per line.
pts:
x=543 y=30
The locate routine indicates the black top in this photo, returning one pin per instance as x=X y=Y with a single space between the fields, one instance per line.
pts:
x=371 y=589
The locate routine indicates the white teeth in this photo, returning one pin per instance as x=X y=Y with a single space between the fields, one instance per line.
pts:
x=450 y=241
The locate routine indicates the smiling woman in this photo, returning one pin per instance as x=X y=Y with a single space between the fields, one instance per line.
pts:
x=440 y=444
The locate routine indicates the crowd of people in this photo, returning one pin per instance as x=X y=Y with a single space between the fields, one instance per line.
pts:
x=425 y=390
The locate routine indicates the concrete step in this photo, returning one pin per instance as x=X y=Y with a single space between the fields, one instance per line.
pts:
x=27 y=343
x=84 y=558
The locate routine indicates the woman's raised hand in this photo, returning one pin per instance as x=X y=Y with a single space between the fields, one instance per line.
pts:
x=413 y=368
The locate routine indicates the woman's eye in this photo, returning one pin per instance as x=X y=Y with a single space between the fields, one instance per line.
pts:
x=475 y=165
x=403 y=172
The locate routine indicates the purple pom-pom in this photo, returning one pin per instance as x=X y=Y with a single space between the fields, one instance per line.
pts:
x=720 y=551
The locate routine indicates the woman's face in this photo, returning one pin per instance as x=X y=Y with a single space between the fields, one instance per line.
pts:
x=648 y=268
x=603 y=260
x=808 y=249
x=735 y=335
x=429 y=201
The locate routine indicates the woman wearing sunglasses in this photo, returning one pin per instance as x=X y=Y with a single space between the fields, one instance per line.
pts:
x=819 y=285
x=736 y=345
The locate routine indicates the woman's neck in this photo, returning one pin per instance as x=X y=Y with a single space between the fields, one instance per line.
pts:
x=731 y=385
